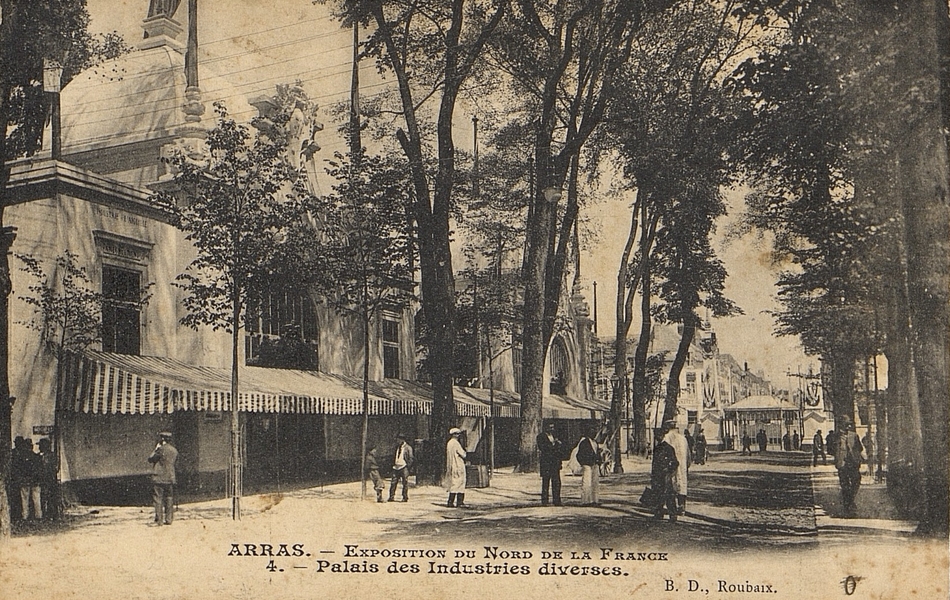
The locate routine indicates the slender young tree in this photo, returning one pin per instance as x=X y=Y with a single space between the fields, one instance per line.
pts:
x=366 y=248
x=243 y=208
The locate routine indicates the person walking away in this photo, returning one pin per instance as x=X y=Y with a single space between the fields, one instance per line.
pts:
x=831 y=442
x=588 y=455
x=48 y=479
x=551 y=453
x=746 y=443
x=848 y=461
x=163 y=461
x=455 y=469
x=786 y=442
x=402 y=462
x=796 y=442
x=868 y=441
x=818 y=447
x=662 y=470
x=372 y=469
x=700 y=447
x=676 y=439
x=26 y=469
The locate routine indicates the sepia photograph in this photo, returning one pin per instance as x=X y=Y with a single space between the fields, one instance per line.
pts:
x=435 y=299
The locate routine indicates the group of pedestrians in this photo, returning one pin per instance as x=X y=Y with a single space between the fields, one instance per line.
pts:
x=761 y=439
x=403 y=459
x=669 y=472
x=585 y=459
x=672 y=457
x=34 y=473
x=791 y=442
x=33 y=477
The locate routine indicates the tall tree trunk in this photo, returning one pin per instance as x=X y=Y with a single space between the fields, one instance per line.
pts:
x=435 y=254
x=364 y=429
x=641 y=378
x=7 y=235
x=905 y=450
x=842 y=385
x=927 y=221
x=548 y=245
x=539 y=232
x=673 y=383
x=626 y=288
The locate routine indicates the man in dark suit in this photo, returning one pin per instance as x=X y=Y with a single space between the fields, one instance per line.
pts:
x=163 y=460
x=551 y=452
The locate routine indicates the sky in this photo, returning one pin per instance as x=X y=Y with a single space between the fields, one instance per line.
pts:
x=256 y=45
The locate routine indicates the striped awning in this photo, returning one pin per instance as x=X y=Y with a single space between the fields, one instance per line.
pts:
x=557 y=406
x=107 y=383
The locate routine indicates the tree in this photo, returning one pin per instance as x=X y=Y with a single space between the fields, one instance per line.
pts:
x=921 y=37
x=491 y=221
x=431 y=48
x=856 y=90
x=31 y=32
x=367 y=251
x=689 y=273
x=562 y=58
x=68 y=316
x=670 y=127
x=243 y=208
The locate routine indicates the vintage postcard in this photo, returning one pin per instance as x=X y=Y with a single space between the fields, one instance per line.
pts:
x=320 y=299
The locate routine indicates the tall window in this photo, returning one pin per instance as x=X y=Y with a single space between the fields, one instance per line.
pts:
x=516 y=368
x=560 y=367
x=121 y=310
x=390 y=347
x=282 y=332
x=691 y=383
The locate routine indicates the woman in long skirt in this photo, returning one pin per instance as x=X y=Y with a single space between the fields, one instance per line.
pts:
x=588 y=455
x=455 y=469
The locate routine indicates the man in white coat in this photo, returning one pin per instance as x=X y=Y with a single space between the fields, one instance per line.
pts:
x=455 y=469
x=676 y=439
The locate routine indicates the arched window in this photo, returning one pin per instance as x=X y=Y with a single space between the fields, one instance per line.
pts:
x=560 y=367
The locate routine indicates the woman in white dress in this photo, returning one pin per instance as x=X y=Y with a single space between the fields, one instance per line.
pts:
x=455 y=469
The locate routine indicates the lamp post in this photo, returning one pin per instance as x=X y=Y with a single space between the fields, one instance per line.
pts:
x=615 y=422
x=52 y=84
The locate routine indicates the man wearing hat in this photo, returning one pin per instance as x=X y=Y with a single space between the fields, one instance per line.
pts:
x=848 y=459
x=455 y=469
x=163 y=478
x=402 y=462
x=551 y=453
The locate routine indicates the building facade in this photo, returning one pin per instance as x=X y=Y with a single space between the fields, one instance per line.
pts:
x=104 y=405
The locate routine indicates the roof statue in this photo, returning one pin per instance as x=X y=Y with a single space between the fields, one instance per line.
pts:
x=162 y=8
